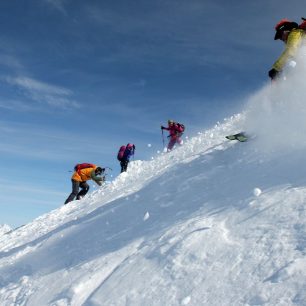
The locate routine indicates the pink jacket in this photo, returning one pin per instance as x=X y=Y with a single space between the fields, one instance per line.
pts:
x=173 y=129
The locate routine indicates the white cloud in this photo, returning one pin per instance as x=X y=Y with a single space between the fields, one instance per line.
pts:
x=51 y=144
x=15 y=105
x=186 y=37
x=13 y=186
x=57 y=4
x=10 y=61
x=41 y=92
x=31 y=84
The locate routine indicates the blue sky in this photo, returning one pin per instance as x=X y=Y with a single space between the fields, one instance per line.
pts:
x=80 y=78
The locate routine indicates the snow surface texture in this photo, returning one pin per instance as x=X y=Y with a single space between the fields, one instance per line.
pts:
x=4 y=229
x=215 y=222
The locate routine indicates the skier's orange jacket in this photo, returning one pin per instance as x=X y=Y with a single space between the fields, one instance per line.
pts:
x=83 y=174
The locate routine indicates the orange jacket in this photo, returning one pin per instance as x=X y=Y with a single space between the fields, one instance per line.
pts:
x=83 y=174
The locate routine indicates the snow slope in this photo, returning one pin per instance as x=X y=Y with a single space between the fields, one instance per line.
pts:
x=4 y=229
x=214 y=222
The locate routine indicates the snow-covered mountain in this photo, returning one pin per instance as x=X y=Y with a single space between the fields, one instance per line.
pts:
x=214 y=222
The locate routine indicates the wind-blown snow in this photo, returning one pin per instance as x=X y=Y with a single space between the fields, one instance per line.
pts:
x=214 y=222
x=276 y=114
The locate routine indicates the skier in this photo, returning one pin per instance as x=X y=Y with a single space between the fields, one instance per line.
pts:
x=124 y=155
x=176 y=131
x=292 y=35
x=83 y=173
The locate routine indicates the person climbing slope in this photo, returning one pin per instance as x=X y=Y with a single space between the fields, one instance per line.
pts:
x=124 y=155
x=176 y=131
x=83 y=173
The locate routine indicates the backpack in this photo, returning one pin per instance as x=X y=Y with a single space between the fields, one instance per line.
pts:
x=121 y=152
x=180 y=127
x=79 y=167
x=303 y=24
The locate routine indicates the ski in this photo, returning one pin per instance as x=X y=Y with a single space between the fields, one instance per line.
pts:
x=239 y=136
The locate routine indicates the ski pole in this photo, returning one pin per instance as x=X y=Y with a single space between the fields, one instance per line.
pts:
x=163 y=138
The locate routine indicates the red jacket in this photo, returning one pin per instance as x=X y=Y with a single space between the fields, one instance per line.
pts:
x=173 y=129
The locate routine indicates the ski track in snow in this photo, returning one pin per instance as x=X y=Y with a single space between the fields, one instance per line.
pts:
x=183 y=229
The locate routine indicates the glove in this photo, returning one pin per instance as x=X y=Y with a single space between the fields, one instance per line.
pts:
x=162 y=127
x=100 y=182
x=273 y=74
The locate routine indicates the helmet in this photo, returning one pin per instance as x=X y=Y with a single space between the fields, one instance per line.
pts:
x=281 y=23
x=99 y=170
x=170 y=121
x=284 y=25
x=129 y=145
